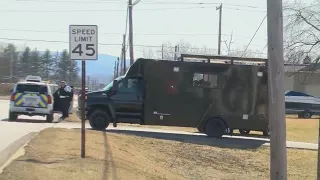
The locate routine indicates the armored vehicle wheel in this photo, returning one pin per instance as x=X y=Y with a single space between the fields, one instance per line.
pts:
x=49 y=118
x=244 y=131
x=306 y=115
x=12 y=116
x=266 y=132
x=99 y=120
x=215 y=128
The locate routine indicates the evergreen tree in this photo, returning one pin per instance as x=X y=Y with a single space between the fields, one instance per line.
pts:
x=73 y=71
x=25 y=66
x=35 y=63
x=63 y=65
x=11 y=61
x=47 y=64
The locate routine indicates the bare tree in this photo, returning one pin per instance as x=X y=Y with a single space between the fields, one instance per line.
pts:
x=167 y=51
x=302 y=30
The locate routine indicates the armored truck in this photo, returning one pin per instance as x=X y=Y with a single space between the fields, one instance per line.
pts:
x=215 y=94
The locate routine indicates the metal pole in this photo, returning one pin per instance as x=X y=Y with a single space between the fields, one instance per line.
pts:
x=131 y=33
x=219 y=38
x=162 y=51
x=11 y=66
x=175 y=52
x=276 y=108
x=124 y=55
x=83 y=125
x=117 y=74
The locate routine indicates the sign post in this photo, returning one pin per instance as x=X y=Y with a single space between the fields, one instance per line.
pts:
x=83 y=45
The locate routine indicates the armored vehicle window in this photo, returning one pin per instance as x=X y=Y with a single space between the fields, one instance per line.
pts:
x=129 y=85
x=205 y=80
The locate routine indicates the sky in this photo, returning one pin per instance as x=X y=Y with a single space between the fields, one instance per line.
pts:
x=154 y=23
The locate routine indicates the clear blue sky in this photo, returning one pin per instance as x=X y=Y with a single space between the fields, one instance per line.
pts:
x=151 y=18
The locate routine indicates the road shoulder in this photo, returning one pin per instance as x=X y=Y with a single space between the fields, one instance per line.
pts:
x=12 y=151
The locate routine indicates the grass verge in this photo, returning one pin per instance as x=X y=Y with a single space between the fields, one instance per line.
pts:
x=301 y=130
x=54 y=154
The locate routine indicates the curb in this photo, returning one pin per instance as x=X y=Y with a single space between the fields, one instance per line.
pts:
x=13 y=148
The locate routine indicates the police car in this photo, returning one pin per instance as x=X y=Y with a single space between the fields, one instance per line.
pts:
x=31 y=97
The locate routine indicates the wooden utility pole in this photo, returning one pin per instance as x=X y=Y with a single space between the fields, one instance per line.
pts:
x=276 y=108
x=124 y=55
x=11 y=67
x=219 y=38
x=117 y=74
x=162 y=48
x=115 y=70
x=175 y=52
x=130 y=32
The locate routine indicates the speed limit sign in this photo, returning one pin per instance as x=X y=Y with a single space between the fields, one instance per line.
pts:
x=83 y=42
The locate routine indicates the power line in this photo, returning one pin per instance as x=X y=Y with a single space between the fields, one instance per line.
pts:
x=254 y=34
x=143 y=2
x=104 y=44
x=136 y=34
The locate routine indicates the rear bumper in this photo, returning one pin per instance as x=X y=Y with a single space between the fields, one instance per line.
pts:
x=36 y=111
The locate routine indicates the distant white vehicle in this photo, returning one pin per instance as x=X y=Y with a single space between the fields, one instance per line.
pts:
x=302 y=104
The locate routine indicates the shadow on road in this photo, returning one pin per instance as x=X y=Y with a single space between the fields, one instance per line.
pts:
x=224 y=142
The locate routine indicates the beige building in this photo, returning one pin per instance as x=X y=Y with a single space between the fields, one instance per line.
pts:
x=303 y=78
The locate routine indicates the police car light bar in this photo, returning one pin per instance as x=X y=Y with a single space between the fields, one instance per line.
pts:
x=31 y=78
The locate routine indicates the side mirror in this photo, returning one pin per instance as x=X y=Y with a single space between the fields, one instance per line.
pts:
x=115 y=86
x=11 y=90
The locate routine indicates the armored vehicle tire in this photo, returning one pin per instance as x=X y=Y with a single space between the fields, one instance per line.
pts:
x=215 y=128
x=244 y=131
x=49 y=118
x=306 y=115
x=266 y=132
x=12 y=116
x=99 y=120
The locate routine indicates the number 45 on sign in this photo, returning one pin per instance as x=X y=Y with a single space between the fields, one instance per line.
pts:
x=83 y=42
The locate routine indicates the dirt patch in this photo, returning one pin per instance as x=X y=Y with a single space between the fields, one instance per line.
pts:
x=55 y=154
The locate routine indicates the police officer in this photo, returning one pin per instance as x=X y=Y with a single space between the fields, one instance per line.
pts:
x=64 y=95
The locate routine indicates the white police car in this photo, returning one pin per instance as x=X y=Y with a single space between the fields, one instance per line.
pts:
x=31 y=97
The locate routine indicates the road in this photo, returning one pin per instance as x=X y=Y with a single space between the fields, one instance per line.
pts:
x=11 y=132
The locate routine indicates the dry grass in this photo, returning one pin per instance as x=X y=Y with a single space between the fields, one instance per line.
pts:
x=5 y=89
x=301 y=130
x=54 y=154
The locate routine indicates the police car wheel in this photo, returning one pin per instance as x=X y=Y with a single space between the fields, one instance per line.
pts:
x=99 y=120
x=13 y=116
x=49 y=118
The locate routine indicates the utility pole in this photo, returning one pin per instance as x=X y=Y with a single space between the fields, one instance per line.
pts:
x=219 y=38
x=117 y=74
x=130 y=32
x=11 y=66
x=115 y=70
x=276 y=107
x=124 y=55
x=88 y=82
x=175 y=52
x=162 y=48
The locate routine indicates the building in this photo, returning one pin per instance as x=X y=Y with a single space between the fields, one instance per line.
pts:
x=303 y=78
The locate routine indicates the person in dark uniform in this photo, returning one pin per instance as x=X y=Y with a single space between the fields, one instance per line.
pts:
x=64 y=94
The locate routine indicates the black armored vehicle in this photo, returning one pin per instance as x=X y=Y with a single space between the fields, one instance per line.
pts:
x=215 y=94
